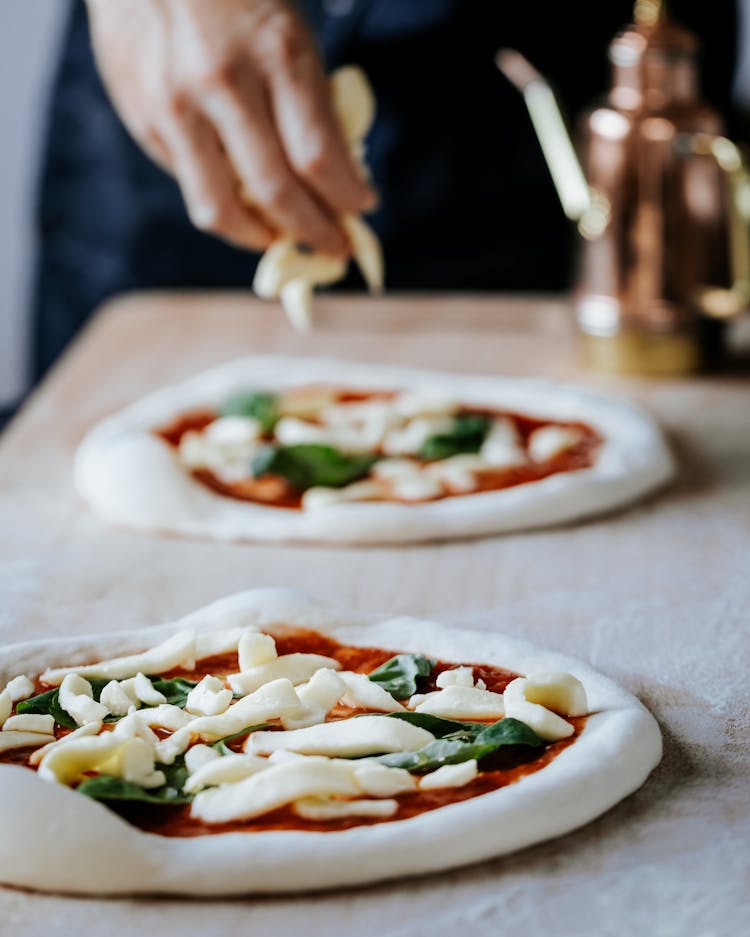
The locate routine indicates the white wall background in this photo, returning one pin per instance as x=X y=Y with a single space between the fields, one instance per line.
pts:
x=29 y=32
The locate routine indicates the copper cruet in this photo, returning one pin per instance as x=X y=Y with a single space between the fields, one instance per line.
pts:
x=661 y=200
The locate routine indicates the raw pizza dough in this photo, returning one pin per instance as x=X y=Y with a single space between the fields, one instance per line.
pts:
x=131 y=478
x=54 y=839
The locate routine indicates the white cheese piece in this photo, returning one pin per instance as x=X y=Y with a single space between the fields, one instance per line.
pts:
x=14 y=739
x=348 y=738
x=547 y=724
x=233 y=432
x=91 y=728
x=396 y=469
x=221 y=641
x=6 y=706
x=175 y=651
x=424 y=403
x=460 y=702
x=326 y=808
x=199 y=755
x=20 y=688
x=457 y=676
x=297 y=668
x=131 y=726
x=409 y=439
x=254 y=649
x=297 y=299
x=458 y=472
x=273 y=788
x=382 y=781
x=144 y=690
x=193 y=450
x=561 y=692
x=367 y=250
x=349 y=438
x=30 y=722
x=306 y=402
x=289 y=272
x=280 y=757
x=422 y=488
x=320 y=497
x=353 y=102
x=450 y=776
x=549 y=441
x=376 y=412
x=502 y=447
x=284 y=262
x=134 y=762
x=76 y=698
x=317 y=697
x=168 y=749
x=228 y=769
x=273 y=700
x=362 y=693
x=208 y=698
x=131 y=759
x=226 y=446
x=118 y=700
x=166 y=716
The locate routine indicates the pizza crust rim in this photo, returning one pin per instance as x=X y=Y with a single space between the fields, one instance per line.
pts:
x=132 y=479
x=87 y=849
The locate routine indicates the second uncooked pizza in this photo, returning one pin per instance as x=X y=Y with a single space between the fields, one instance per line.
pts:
x=275 y=448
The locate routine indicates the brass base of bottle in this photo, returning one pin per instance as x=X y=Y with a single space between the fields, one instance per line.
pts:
x=636 y=352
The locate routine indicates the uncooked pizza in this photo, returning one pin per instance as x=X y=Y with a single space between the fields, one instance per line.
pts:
x=301 y=449
x=271 y=743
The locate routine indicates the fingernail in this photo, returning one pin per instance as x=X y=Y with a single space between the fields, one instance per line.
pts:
x=203 y=214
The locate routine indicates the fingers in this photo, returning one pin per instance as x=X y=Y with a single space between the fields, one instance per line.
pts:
x=312 y=137
x=208 y=183
x=243 y=120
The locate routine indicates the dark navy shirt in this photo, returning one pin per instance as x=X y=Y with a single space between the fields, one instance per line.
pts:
x=466 y=200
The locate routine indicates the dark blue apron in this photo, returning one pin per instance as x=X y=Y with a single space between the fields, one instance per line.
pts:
x=466 y=200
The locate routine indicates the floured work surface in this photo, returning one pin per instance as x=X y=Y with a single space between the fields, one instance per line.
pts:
x=655 y=597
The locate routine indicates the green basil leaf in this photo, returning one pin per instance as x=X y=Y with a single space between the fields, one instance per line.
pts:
x=399 y=674
x=445 y=751
x=175 y=690
x=48 y=704
x=466 y=435
x=509 y=731
x=260 y=405
x=223 y=748
x=309 y=464
x=441 y=728
x=108 y=788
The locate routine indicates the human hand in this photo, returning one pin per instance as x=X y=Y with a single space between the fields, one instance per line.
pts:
x=230 y=97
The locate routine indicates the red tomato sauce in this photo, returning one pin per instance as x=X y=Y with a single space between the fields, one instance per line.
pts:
x=276 y=492
x=505 y=768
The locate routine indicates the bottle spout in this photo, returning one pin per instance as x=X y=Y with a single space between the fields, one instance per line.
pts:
x=578 y=201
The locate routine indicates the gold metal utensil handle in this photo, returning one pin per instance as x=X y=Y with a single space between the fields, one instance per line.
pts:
x=715 y=301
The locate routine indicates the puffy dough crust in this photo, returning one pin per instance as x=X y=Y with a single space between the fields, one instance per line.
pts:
x=76 y=845
x=131 y=478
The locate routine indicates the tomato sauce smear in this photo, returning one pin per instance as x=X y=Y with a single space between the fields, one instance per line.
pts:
x=274 y=491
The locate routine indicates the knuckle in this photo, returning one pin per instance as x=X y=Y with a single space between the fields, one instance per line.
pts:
x=218 y=74
x=208 y=216
x=276 y=194
x=315 y=162
x=177 y=103
x=282 y=40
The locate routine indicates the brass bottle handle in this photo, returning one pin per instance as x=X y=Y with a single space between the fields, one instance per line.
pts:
x=726 y=302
